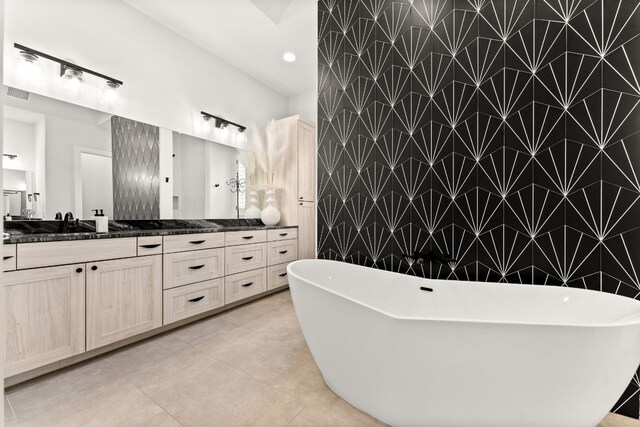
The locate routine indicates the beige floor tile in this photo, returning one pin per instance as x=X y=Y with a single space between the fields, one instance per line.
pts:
x=8 y=410
x=38 y=396
x=119 y=404
x=217 y=394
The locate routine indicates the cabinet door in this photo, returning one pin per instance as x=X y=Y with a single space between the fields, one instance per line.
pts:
x=307 y=156
x=124 y=298
x=306 y=230
x=44 y=316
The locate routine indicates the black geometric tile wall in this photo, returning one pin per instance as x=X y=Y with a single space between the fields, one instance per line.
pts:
x=136 y=168
x=505 y=133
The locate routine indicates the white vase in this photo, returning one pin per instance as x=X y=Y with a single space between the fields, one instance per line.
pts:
x=252 y=210
x=270 y=215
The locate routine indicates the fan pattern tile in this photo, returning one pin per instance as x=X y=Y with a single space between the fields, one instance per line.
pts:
x=502 y=132
x=136 y=163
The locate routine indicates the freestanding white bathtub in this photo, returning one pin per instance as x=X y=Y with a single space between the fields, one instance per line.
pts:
x=465 y=354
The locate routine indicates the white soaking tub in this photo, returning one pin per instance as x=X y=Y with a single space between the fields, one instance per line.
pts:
x=462 y=353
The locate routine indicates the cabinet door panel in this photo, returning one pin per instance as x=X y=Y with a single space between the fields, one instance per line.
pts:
x=306 y=230
x=44 y=316
x=124 y=298
x=306 y=162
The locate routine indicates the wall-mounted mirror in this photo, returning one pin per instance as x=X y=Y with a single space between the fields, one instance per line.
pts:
x=61 y=157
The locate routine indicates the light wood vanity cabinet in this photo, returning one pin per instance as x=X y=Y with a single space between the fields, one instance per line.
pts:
x=124 y=298
x=44 y=314
x=118 y=288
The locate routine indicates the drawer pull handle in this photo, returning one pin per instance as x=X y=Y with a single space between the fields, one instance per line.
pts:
x=78 y=270
x=283 y=252
x=94 y=268
x=283 y=274
x=284 y=234
x=247 y=258
x=4 y=258
x=196 y=299
x=197 y=242
x=151 y=246
x=247 y=237
x=246 y=285
x=196 y=267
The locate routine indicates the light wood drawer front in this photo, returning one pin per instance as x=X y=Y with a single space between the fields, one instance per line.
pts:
x=281 y=252
x=282 y=234
x=186 y=301
x=192 y=242
x=277 y=276
x=8 y=257
x=149 y=245
x=42 y=254
x=243 y=285
x=244 y=237
x=245 y=257
x=184 y=268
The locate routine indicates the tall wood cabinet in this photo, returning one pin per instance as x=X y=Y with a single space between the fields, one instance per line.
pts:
x=297 y=183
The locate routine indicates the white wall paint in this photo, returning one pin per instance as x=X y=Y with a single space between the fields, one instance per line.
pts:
x=305 y=105
x=167 y=79
x=166 y=173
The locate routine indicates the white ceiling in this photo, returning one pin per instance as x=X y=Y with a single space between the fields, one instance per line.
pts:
x=252 y=35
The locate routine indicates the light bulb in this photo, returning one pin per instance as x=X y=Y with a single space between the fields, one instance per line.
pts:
x=110 y=94
x=289 y=57
x=29 y=67
x=72 y=81
x=206 y=125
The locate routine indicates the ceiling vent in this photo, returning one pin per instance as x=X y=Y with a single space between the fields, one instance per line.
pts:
x=18 y=93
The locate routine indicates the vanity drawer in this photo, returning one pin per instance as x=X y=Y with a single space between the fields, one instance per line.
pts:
x=8 y=257
x=186 y=301
x=282 y=234
x=277 y=276
x=245 y=257
x=191 y=242
x=42 y=254
x=284 y=251
x=243 y=237
x=243 y=285
x=184 y=268
x=149 y=245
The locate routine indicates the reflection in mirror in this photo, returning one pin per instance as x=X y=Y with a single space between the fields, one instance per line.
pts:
x=59 y=157
x=52 y=140
x=202 y=174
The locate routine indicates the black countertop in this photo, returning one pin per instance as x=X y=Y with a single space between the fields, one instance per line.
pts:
x=51 y=230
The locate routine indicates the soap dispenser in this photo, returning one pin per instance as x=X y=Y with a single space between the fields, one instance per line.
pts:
x=102 y=222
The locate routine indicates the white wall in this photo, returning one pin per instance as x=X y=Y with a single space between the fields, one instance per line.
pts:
x=167 y=79
x=306 y=105
x=97 y=190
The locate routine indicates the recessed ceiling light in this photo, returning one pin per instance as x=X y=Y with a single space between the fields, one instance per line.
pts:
x=289 y=57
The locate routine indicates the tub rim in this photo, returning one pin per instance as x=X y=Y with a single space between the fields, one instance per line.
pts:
x=630 y=320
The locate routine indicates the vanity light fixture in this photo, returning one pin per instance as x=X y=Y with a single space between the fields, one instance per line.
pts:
x=220 y=123
x=72 y=74
x=29 y=66
x=11 y=156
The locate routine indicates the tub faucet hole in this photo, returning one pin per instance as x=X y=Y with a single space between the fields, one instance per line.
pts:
x=424 y=288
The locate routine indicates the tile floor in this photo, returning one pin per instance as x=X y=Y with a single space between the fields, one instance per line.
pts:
x=246 y=367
